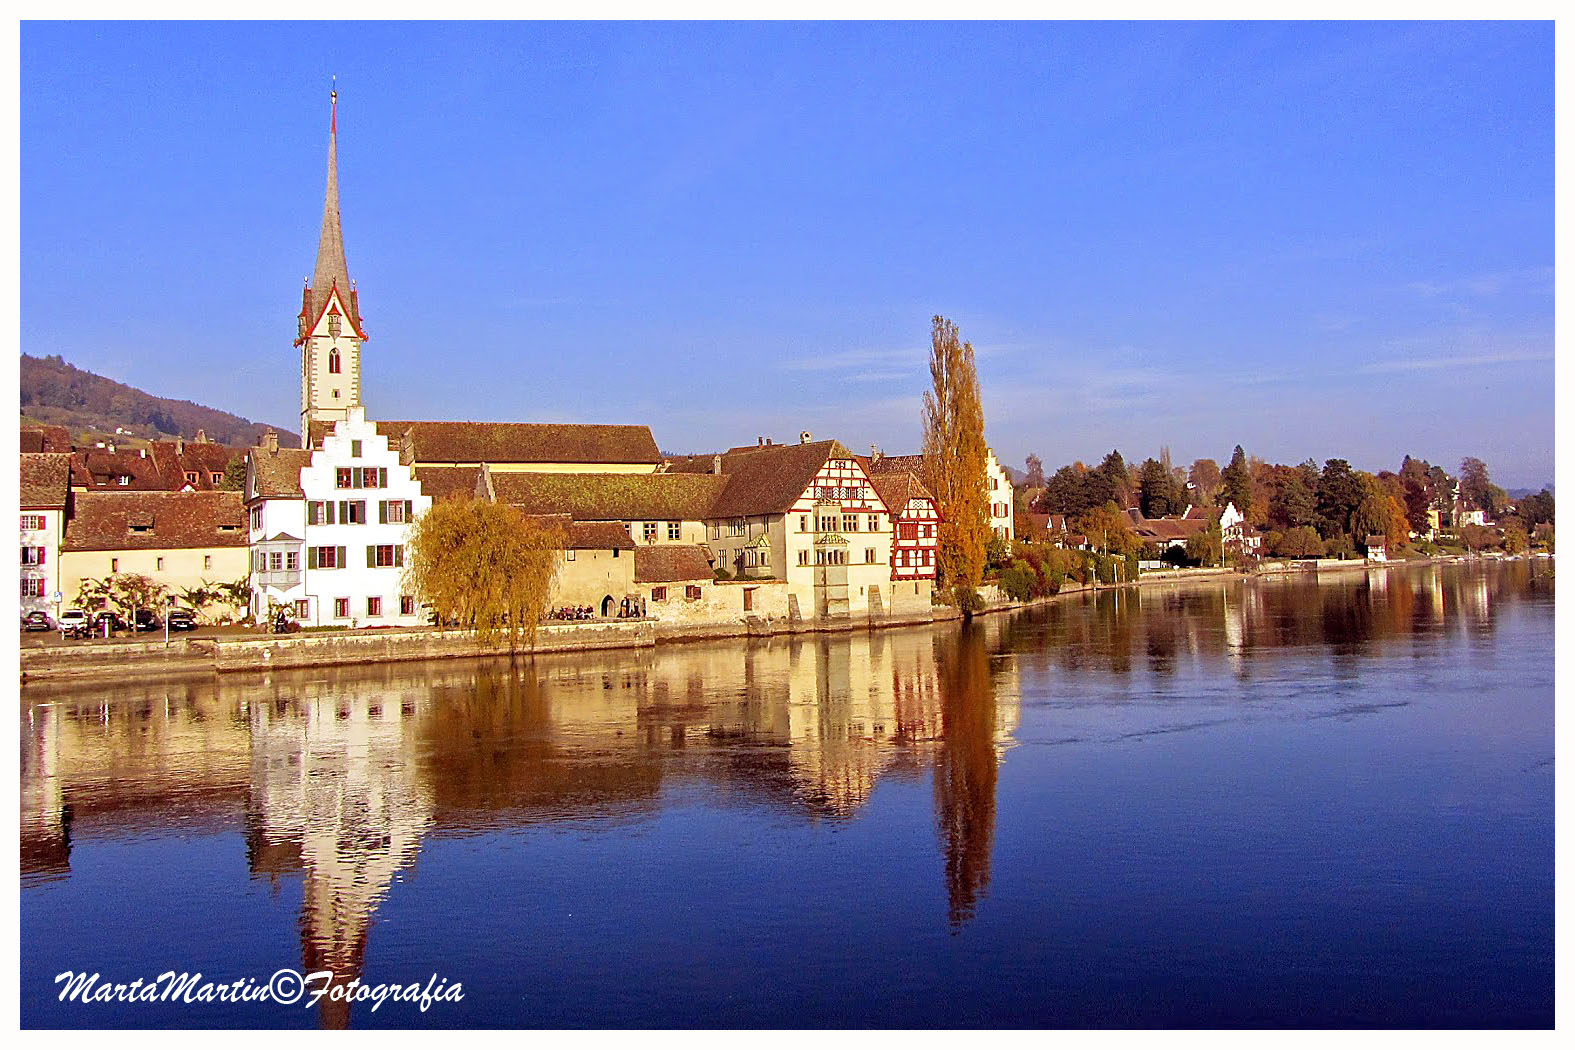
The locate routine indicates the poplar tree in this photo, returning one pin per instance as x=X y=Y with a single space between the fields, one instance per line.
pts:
x=954 y=463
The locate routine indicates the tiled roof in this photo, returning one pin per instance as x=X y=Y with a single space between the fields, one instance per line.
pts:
x=768 y=479
x=892 y=464
x=456 y=442
x=175 y=460
x=277 y=473
x=46 y=438
x=99 y=468
x=896 y=488
x=443 y=483
x=45 y=479
x=1168 y=529
x=598 y=535
x=670 y=563
x=611 y=497
x=594 y=535
x=101 y=521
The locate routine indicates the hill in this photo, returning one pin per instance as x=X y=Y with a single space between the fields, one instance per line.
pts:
x=88 y=404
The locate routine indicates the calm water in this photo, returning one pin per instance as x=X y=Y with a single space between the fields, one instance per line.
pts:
x=1274 y=803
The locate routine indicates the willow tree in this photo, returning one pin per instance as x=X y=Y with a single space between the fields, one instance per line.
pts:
x=954 y=463
x=488 y=566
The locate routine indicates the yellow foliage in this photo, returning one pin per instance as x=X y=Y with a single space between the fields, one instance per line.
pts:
x=954 y=459
x=487 y=565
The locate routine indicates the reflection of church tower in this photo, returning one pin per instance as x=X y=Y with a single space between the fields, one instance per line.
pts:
x=328 y=329
x=336 y=782
x=965 y=771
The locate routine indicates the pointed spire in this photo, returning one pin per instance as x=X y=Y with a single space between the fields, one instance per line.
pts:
x=330 y=269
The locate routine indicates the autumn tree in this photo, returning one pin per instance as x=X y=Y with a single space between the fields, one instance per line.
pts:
x=1515 y=541
x=1537 y=508
x=1207 y=547
x=1299 y=542
x=954 y=460
x=1416 y=479
x=1034 y=476
x=1109 y=529
x=1476 y=486
x=1205 y=479
x=487 y=565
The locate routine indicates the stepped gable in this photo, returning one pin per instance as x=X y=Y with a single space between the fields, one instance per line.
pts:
x=671 y=563
x=504 y=443
x=107 y=521
x=611 y=497
x=45 y=479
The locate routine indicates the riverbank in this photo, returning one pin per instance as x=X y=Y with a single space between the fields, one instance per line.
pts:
x=218 y=655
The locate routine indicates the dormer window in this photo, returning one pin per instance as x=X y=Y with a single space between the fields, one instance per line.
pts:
x=124 y=479
x=191 y=477
x=333 y=361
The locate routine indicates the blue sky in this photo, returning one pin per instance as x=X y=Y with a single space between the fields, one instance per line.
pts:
x=1310 y=239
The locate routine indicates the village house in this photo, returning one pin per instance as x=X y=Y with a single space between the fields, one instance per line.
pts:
x=180 y=540
x=915 y=517
x=156 y=466
x=808 y=515
x=1377 y=548
x=335 y=554
x=44 y=494
x=997 y=487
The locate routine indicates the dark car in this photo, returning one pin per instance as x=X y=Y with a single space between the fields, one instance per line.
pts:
x=112 y=619
x=37 y=621
x=147 y=621
x=182 y=620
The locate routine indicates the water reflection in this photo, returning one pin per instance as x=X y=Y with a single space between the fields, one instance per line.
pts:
x=335 y=779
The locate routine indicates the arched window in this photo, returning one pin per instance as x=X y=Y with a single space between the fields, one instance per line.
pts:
x=333 y=360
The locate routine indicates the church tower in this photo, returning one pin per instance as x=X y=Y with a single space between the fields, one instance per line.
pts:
x=328 y=329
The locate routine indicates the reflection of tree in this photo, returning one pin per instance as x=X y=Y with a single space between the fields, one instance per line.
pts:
x=965 y=770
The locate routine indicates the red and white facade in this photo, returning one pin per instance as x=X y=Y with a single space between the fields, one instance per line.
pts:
x=916 y=522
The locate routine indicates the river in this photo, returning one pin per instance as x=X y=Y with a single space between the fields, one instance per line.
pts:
x=1283 y=802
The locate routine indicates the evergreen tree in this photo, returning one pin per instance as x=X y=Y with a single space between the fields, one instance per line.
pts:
x=1236 y=483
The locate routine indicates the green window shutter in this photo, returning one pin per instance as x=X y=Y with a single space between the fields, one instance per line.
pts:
x=399 y=556
x=409 y=509
x=341 y=562
x=371 y=556
x=382 y=512
x=311 y=557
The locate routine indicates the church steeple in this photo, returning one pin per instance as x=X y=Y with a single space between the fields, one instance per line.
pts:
x=328 y=328
x=330 y=269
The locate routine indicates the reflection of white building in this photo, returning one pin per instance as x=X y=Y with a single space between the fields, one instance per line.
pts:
x=336 y=782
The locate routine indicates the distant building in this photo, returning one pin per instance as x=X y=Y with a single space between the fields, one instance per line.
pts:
x=997 y=486
x=1377 y=548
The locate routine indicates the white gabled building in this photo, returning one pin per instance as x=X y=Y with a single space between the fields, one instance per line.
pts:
x=998 y=489
x=333 y=547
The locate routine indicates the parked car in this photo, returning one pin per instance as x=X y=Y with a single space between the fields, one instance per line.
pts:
x=182 y=620
x=37 y=620
x=74 y=622
x=147 y=620
x=112 y=619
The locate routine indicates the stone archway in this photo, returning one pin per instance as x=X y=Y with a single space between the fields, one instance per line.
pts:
x=607 y=607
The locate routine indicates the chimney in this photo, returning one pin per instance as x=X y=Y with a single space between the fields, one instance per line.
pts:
x=874 y=454
x=760 y=442
x=110 y=447
x=271 y=441
x=716 y=464
x=142 y=453
x=202 y=437
x=180 y=446
x=803 y=437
